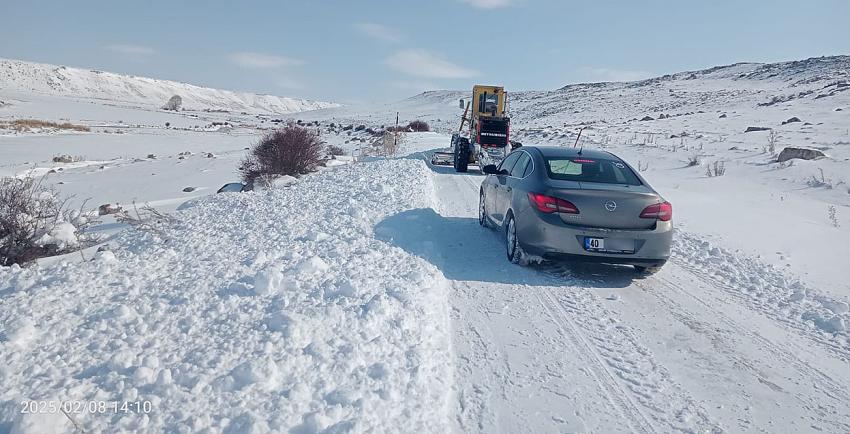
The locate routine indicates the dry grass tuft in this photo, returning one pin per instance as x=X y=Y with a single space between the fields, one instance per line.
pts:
x=25 y=125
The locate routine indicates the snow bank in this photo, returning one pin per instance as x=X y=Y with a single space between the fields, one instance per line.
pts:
x=274 y=310
x=768 y=290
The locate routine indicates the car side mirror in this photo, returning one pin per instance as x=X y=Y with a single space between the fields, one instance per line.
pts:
x=490 y=169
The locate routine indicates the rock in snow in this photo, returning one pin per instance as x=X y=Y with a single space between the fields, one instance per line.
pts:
x=791 y=153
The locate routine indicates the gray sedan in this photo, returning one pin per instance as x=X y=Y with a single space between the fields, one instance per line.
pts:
x=563 y=203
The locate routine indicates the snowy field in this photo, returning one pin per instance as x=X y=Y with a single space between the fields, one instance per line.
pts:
x=366 y=298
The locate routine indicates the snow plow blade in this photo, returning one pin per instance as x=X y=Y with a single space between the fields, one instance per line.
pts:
x=442 y=159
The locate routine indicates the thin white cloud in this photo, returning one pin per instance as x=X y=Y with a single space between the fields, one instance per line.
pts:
x=131 y=50
x=288 y=83
x=253 y=60
x=378 y=31
x=414 y=86
x=488 y=4
x=421 y=63
x=608 y=74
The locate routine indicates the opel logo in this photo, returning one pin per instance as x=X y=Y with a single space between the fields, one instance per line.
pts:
x=611 y=205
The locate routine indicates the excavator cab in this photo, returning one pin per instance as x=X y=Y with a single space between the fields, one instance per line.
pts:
x=489 y=124
x=488 y=135
x=488 y=101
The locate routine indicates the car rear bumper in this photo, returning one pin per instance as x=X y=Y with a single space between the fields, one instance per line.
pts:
x=548 y=237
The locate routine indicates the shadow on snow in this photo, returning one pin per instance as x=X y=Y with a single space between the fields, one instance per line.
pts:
x=463 y=250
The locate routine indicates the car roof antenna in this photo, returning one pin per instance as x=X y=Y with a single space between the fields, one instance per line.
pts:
x=577 y=138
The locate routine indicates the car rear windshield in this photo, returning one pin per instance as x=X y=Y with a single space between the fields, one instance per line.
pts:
x=590 y=170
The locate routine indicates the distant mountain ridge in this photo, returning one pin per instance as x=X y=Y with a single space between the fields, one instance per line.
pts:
x=823 y=81
x=22 y=76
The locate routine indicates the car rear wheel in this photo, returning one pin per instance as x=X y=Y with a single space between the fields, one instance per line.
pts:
x=513 y=249
x=647 y=271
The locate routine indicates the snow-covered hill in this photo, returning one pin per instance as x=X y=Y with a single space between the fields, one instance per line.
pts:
x=816 y=80
x=27 y=77
x=367 y=298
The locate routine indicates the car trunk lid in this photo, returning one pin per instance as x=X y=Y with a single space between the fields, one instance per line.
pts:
x=610 y=206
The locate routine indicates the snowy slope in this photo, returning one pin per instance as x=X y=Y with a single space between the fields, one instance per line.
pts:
x=256 y=312
x=29 y=77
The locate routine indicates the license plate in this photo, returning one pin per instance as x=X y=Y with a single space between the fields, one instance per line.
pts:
x=594 y=243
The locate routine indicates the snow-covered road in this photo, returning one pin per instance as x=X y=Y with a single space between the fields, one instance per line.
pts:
x=597 y=349
x=366 y=298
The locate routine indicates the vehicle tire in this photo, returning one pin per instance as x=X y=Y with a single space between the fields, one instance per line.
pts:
x=647 y=271
x=482 y=212
x=461 y=154
x=512 y=247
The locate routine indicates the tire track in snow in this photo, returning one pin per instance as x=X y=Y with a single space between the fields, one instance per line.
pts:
x=637 y=421
x=626 y=358
x=761 y=288
x=822 y=382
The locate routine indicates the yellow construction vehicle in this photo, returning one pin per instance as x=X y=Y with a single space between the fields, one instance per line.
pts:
x=488 y=135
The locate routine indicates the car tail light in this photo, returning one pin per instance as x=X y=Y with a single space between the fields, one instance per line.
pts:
x=661 y=211
x=549 y=204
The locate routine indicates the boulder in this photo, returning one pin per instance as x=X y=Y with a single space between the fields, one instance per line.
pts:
x=791 y=153
x=791 y=121
x=108 y=208
x=723 y=116
x=63 y=159
x=647 y=118
x=189 y=189
x=752 y=129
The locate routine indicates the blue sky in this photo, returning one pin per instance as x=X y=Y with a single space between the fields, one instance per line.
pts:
x=350 y=51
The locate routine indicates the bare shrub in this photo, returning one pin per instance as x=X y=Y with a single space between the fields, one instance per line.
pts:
x=772 y=140
x=335 y=150
x=718 y=168
x=174 y=103
x=693 y=160
x=389 y=143
x=833 y=215
x=418 y=126
x=35 y=222
x=147 y=219
x=25 y=125
x=820 y=181
x=292 y=150
x=642 y=167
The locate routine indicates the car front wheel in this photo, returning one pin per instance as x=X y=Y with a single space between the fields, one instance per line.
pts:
x=482 y=212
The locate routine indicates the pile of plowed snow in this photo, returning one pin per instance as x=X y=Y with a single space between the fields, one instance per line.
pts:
x=259 y=311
